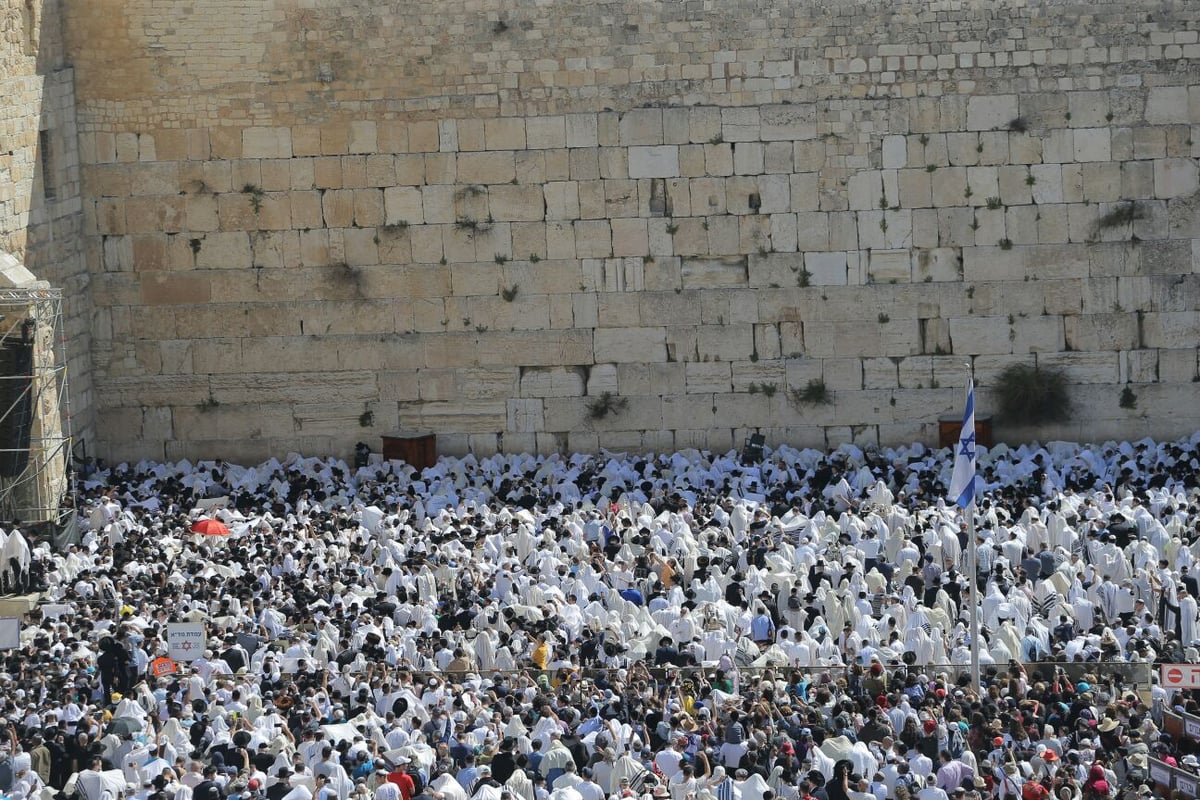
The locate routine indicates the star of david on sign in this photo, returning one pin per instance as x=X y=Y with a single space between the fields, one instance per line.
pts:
x=968 y=446
x=185 y=646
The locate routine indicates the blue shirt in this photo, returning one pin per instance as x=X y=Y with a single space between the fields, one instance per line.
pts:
x=762 y=628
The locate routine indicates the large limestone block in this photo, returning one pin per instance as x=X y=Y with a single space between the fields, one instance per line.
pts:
x=403 y=204
x=880 y=373
x=725 y=342
x=483 y=416
x=1087 y=368
x=994 y=263
x=937 y=264
x=562 y=199
x=740 y=124
x=991 y=112
x=517 y=203
x=841 y=339
x=788 y=122
x=1175 y=177
x=746 y=373
x=545 y=133
x=593 y=238
x=552 y=382
x=978 y=335
x=890 y=266
x=826 y=269
x=688 y=411
x=641 y=126
x=621 y=345
x=1167 y=105
x=742 y=410
x=1178 y=366
x=486 y=168
x=602 y=378
x=581 y=130
x=526 y=415
x=895 y=152
x=1042 y=334
x=1171 y=329
x=344 y=386
x=709 y=273
x=654 y=161
x=775 y=270
x=504 y=133
x=1092 y=144
x=1101 y=331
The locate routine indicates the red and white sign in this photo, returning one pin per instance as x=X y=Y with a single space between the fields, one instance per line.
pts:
x=1181 y=676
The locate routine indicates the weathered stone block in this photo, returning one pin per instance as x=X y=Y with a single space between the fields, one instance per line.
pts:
x=788 y=122
x=618 y=345
x=641 y=126
x=1167 y=105
x=826 y=269
x=980 y=335
x=654 y=161
x=991 y=112
x=1175 y=177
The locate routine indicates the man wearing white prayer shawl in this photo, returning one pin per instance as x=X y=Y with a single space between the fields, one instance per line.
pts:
x=1189 y=630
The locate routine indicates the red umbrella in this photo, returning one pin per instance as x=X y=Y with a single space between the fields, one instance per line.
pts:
x=210 y=527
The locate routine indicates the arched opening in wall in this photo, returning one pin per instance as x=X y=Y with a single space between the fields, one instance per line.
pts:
x=29 y=27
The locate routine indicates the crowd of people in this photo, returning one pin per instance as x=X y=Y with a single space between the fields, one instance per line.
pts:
x=601 y=627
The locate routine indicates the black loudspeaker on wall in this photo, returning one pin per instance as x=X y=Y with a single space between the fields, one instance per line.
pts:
x=16 y=402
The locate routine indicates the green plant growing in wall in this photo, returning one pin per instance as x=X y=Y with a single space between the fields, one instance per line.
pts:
x=1005 y=243
x=534 y=258
x=209 y=403
x=366 y=419
x=510 y=293
x=1128 y=398
x=501 y=258
x=994 y=203
x=813 y=393
x=672 y=228
x=884 y=318
x=1031 y=395
x=606 y=403
x=256 y=196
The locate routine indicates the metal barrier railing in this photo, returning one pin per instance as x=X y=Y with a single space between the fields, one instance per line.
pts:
x=1172 y=779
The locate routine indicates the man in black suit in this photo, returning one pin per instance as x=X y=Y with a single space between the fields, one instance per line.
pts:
x=1189 y=582
x=208 y=789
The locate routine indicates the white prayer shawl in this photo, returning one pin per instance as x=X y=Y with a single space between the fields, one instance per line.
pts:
x=520 y=785
x=753 y=788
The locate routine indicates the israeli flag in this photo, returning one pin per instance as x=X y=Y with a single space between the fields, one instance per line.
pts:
x=962 y=484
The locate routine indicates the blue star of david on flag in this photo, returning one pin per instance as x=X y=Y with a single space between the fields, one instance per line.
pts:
x=962 y=483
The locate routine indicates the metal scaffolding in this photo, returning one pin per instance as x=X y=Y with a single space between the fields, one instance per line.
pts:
x=35 y=419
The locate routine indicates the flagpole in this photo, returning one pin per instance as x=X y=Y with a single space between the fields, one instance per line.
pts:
x=962 y=492
x=973 y=601
x=974 y=565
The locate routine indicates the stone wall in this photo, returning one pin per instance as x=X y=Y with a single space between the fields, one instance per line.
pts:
x=312 y=222
x=41 y=213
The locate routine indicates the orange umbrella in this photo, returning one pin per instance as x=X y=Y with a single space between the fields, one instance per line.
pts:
x=210 y=527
